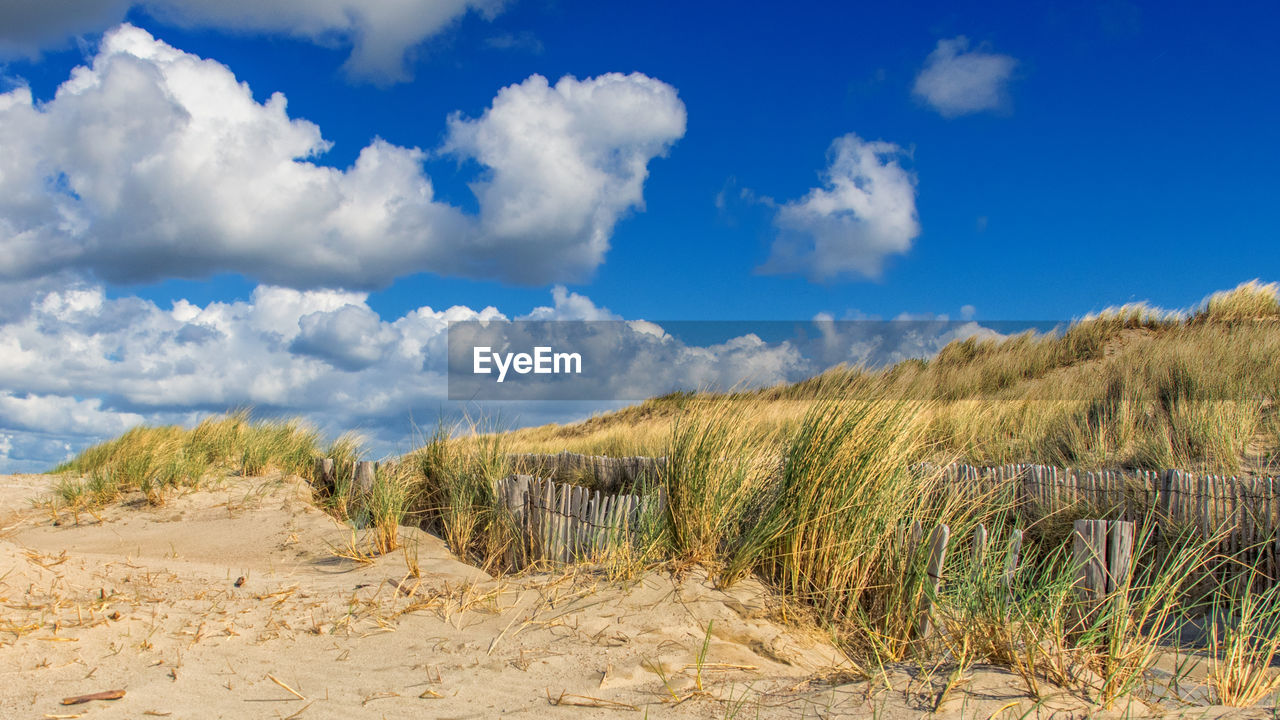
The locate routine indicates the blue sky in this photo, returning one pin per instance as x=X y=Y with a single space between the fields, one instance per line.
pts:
x=745 y=161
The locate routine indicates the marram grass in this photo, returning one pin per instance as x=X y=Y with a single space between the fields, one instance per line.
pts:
x=1132 y=387
x=812 y=488
x=155 y=460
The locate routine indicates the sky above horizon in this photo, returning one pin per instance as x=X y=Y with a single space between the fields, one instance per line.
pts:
x=209 y=205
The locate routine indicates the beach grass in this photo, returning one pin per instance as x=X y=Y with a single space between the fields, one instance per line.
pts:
x=827 y=490
x=158 y=460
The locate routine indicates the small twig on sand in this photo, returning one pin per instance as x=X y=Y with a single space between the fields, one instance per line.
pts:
x=104 y=695
x=379 y=696
x=277 y=681
x=587 y=701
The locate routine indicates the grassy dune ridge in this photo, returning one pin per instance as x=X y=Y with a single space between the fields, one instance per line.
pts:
x=1131 y=387
x=811 y=486
x=157 y=460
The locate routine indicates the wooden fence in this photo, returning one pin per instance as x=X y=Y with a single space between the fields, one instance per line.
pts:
x=607 y=474
x=562 y=520
x=562 y=523
x=1242 y=512
x=1102 y=554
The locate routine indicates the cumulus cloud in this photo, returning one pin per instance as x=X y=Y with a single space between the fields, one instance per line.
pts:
x=56 y=414
x=154 y=163
x=864 y=212
x=349 y=338
x=569 y=306
x=81 y=367
x=382 y=35
x=35 y=452
x=958 y=81
x=565 y=162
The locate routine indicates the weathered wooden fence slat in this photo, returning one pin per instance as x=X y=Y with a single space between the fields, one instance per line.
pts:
x=1011 y=560
x=1090 y=553
x=1243 y=512
x=933 y=578
x=610 y=474
x=560 y=523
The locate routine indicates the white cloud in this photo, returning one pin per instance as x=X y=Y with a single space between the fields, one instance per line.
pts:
x=86 y=367
x=958 y=81
x=382 y=35
x=154 y=163
x=569 y=306
x=566 y=161
x=349 y=338
x=35 y=452
x=52 y=413
x=865 y=212
x=81 y=367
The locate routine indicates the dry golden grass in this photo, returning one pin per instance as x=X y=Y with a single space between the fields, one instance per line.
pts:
x=811 y=486
x=1131 y=387
x=158 y=460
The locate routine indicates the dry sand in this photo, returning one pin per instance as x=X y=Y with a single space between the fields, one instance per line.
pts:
x=231 y=603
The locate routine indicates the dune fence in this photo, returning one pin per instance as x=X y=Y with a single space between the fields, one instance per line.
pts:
x=561 y=523
x=607 y=474
x=1241 y=512
x=569 y=507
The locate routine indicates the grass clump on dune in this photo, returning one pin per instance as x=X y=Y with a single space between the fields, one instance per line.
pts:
x=1245 y=644
x=717 y=478
x=156 y=460
x=831 y=536
x=1253 y=301
x=456 y=481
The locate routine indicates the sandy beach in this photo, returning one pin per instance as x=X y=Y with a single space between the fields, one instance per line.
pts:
x=236 y=602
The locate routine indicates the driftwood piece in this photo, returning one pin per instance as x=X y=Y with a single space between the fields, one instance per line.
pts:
x=104 y=695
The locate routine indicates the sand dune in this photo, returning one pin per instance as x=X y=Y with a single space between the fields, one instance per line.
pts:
x=232 y=603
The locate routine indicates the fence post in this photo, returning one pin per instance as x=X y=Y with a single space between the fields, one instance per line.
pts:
x=1011 y=561
x=979 y=547
x=1167 y=504
x=914 y=535
x=1119 y=554
x=933 y=578
x=593 y=528
x=364 y=477
x=1089 y=550
x=324 y=473
x=547 y=527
